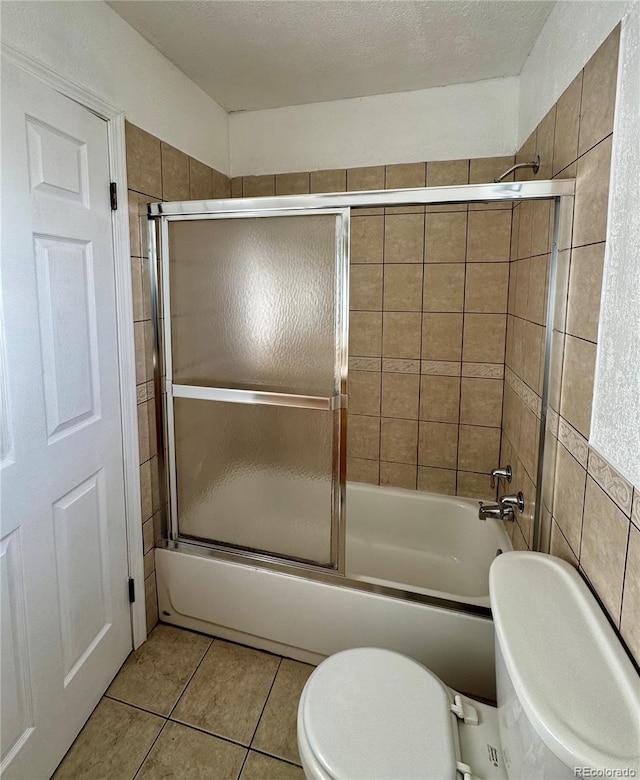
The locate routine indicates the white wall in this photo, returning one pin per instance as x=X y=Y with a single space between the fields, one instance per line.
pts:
x=616 y=411
x=444 y=123
x=93 y=46
x=572 y=33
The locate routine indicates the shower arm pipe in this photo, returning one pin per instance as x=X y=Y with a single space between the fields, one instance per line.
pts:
x=534 y=165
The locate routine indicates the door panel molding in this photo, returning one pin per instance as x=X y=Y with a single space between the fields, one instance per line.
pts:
x=115 y=119
x=16 y=674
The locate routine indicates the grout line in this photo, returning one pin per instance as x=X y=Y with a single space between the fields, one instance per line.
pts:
x=244 y=761
x=186 y=685
x=580 y=338
x=605 y=612
x=591 y=148
x=573 y=209
x=201 y=730
x=584 y=504
x=264 y=706
x=146 y=194
x=624 y=572
x=557 y=525
x=153 y=744
x=427 y=419
x=277 y=758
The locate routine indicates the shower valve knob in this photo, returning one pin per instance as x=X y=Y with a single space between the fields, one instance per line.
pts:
x=501 y=473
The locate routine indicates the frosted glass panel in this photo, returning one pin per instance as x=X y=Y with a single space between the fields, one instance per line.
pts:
x=253 y=303
x=258 y=477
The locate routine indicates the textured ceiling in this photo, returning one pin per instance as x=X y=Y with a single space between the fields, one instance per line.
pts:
x=252 y=54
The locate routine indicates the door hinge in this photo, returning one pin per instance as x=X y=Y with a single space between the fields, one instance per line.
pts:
x=113 y=194
x=132 y=590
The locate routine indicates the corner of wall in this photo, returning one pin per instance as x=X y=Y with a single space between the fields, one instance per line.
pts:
x=91 y=44
x=616 y=403
x=572 y=33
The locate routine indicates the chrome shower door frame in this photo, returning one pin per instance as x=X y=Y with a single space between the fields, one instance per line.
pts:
x=335 y=403
x=560 y=191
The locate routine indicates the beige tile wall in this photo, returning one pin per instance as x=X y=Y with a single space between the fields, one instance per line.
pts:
x=591 y=513
x=155 y=172
x=428 y=305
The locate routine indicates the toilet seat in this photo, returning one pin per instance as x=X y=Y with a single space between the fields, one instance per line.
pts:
x=372 y=713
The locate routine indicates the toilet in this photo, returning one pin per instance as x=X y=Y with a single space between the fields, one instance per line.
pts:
x=568 y=696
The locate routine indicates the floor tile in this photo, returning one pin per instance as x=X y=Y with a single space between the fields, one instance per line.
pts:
x=277 y=732
x=112 y=744
x=187 y=754
x=154 y=676
x=227 y=693
x=259 y=767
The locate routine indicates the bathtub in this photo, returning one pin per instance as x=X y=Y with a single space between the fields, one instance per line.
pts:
x=423 y=542
x=399 y=543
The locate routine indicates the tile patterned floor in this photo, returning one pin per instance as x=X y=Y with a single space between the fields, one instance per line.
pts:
x=188 y=706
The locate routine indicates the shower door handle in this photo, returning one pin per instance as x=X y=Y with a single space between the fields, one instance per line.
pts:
x=235 y=396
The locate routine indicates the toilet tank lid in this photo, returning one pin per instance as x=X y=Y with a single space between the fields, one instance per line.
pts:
x=576 y=685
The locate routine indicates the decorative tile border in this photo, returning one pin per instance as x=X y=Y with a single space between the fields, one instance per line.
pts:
x=611 y=481
x=574 y=442
x=512 y=379
x=365 y=364
x=440 y=368
x=444 y=368
x=401 y=366
x=524 y=392
x=553 y=422
x=142 y=392
x=483 y=370
x=635 y=509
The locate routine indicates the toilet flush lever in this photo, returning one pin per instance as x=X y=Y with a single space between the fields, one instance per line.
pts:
x=465 y=712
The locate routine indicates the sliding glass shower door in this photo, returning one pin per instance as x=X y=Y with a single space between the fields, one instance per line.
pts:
x=255 y=351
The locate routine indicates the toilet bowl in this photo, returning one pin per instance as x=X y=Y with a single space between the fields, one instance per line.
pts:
x=373 y=714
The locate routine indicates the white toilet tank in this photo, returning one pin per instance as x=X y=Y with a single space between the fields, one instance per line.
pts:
x=568 y=695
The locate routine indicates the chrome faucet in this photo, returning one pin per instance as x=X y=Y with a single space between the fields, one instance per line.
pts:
x=501 y=473
x=513 y=502
x=504 y=509
x=491 y=510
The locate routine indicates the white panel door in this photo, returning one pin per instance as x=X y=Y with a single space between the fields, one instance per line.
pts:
x=66 y=625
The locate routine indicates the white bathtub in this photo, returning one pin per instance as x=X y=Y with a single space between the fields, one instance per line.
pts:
x=421 y=542
x=397 y=538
